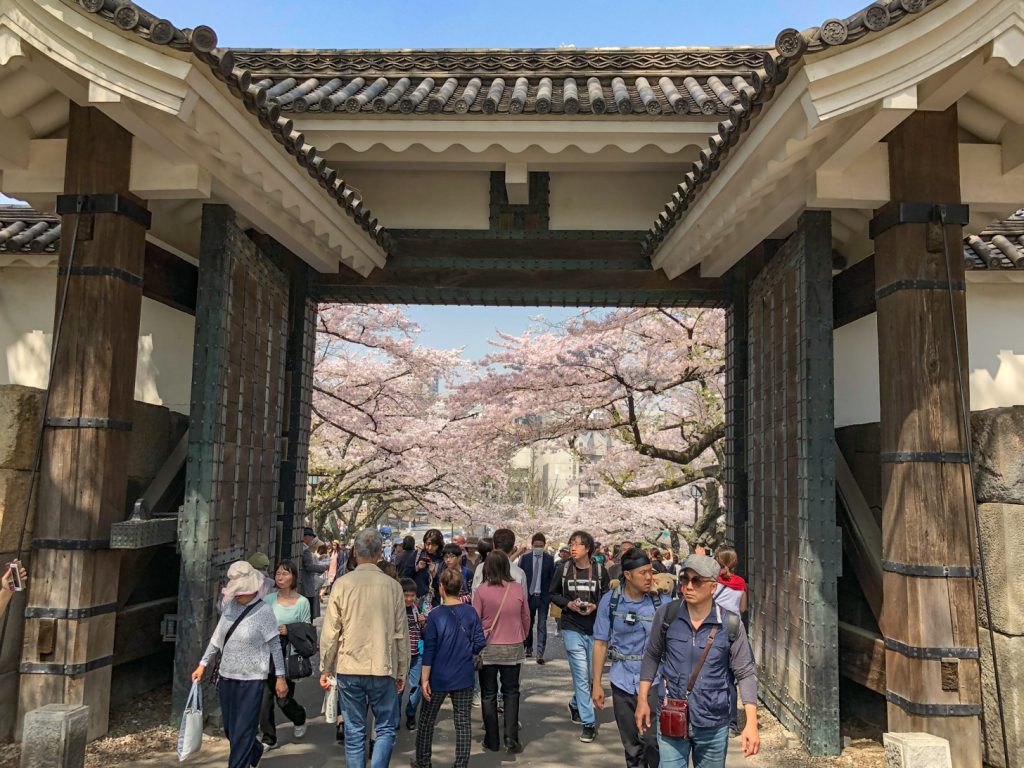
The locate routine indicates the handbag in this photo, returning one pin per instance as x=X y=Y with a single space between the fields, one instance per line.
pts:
x=215 y=672
x=674 y=720
x=477 y=661
x=190 y=734
x=297 y=666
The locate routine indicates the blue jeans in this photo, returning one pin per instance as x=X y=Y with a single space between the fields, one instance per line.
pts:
x=708 y=746
x=378 y=693
x=579 y=650
x=413 y=686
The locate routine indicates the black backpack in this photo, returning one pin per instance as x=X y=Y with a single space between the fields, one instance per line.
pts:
x=617 y=593
x=732 y=621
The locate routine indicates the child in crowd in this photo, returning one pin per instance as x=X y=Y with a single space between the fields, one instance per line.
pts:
x=416 y=621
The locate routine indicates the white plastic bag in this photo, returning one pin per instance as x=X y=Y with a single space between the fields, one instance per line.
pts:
x=190 y=734
x=330 y=708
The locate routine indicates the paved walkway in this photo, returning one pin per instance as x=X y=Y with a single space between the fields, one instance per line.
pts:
x=548 y=736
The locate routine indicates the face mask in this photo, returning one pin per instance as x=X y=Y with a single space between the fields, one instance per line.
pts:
x=538 y=551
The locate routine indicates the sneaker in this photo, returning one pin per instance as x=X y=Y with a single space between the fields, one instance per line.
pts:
x=476 y=698
x=410 y=723
x=300 y=731
x=574 y=714
x=589 y=733
x=540 y=660
x=267 y=746
x=529 y=653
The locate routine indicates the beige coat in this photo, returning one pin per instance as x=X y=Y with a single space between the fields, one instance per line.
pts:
x=365 y=631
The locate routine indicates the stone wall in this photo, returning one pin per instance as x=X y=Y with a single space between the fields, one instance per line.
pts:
x=998 y=442
x=155 y=431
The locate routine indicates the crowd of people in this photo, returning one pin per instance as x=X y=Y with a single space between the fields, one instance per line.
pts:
x=409 y=626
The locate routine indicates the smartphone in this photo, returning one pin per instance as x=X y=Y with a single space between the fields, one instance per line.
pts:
x=16 y=585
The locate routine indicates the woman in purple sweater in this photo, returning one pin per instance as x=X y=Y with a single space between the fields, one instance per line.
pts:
x=506 y=620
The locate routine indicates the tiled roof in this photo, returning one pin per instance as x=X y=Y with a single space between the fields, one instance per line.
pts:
x=696 y=82
x=790 y=47
x=1000 y=246
x=26 y=230
x=202 y=41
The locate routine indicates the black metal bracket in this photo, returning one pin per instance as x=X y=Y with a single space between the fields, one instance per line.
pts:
x=89 y=205
x=933 y=710
x=930 y=571
x=918 y=285
x=66 y=670
x=933 y=654
x=39 y=612
x=932 y=457
x=78 y=545
x=918 y=213
x=87 y=422
x=95 y=271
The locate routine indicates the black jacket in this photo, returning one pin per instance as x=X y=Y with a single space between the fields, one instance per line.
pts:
x=547 y=570
x=302 y=637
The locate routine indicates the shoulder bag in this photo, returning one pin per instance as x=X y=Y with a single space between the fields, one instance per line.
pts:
x=477 y=661
x=674 y=718
x=215 y=672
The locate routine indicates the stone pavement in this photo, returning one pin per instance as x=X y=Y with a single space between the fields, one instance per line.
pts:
x=548 y=737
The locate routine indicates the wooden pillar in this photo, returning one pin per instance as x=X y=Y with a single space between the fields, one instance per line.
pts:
x=69 y=629
x=929 y=615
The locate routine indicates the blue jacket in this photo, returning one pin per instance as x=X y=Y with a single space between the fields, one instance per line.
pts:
x=452 y=636
x=679 y=654
x=547 y=570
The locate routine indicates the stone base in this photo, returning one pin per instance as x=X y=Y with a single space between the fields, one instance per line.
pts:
x=916 y=750
x=55 y=737
x=1010 y=654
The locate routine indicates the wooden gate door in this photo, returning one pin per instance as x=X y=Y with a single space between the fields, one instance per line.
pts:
x=794 y=547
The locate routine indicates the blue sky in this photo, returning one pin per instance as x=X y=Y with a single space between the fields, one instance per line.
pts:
x=489 y=24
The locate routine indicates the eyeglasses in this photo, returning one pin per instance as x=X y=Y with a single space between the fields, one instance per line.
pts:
x=695 y=581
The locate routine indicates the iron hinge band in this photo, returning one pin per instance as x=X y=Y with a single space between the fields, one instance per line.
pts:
x=71 y=544
x=933 y=710
x=89 y=205
x=66 y=670
x=41 y=612
x=918 y=213
x=932 y=457
x=932 y=654
x=94 y=271
x=918 y=285
x=930 y=571
x=88 y=422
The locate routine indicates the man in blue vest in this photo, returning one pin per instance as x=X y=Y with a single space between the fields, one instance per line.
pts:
x=539 y=567
x=624 y=618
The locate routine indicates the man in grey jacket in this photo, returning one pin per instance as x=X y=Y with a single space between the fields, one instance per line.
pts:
x=309 y=583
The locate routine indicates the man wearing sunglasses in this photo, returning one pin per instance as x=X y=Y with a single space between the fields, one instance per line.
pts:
x=693 y=646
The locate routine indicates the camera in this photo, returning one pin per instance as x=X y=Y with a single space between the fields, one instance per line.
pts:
x=631 y=618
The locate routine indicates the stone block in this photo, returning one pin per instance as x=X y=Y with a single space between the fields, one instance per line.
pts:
x=20 y=411
x=1002 y=536
x=14 y=489
x=998 y=438
x=1010 y=658
x=916 y=750
x=54 y=736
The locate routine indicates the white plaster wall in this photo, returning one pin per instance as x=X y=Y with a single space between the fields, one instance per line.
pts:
x=995 y=333
x=163 y=373
x=608 y=200
x=426 y=199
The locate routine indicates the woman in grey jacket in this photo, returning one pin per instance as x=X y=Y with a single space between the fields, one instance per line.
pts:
x=248 y=642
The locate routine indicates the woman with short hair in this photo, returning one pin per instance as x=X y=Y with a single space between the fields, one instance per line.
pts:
x=247 y=640
x=451 y=638
x=505 y=617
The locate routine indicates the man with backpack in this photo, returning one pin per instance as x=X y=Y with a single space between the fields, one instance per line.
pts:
x=624 y=618
x=693 y=646
x=577 y=588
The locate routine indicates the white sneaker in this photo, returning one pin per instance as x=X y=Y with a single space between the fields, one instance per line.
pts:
x=300 y=731
x=476 y=698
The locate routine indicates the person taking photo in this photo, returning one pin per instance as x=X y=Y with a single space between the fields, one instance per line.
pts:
x=623 y=624
x=693 y=646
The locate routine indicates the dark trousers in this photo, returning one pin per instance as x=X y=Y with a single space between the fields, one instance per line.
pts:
x=641 y=751
x=289 y=706
x=539 y=619
x=240 y=707
x=462 y=703
x=509 y=674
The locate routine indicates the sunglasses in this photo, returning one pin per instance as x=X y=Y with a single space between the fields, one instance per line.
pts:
x=695 y=581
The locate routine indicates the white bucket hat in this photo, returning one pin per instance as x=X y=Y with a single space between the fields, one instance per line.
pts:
x=243 y=579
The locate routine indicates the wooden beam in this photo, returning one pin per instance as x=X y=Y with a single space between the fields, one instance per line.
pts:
x=137 y=633
x=862 y=657
x=170 y=280
x=927 y=509
x=862 y=541
x=83 y=479
x=853 y=293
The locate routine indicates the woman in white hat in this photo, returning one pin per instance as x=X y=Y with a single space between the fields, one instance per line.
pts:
x=247 y=640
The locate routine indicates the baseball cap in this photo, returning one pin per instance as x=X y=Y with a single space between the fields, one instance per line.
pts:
x=706 y=567
x=308 y=532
